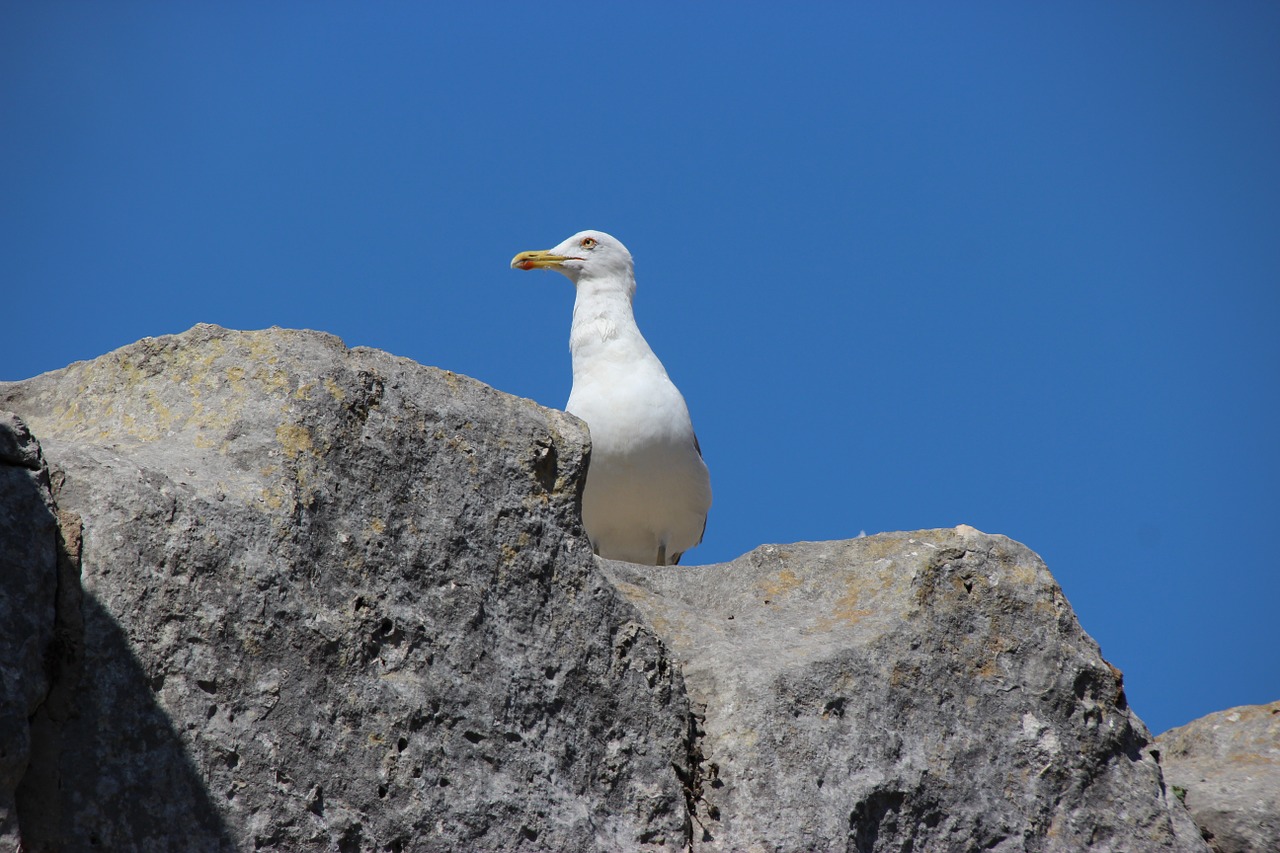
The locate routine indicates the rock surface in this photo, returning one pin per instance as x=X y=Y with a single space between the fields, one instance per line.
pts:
x=336 y=600
x=1226 y=766
x=28 y=569
x=907 y=691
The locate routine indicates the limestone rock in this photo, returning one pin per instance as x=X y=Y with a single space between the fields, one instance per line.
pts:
x=1226 y=767
x=28 y=568
x=906 y=691
x=335 y=600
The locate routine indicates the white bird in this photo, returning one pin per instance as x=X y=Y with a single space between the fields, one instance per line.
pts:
x=648 y=490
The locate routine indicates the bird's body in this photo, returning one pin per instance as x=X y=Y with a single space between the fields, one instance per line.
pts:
x=648 y=489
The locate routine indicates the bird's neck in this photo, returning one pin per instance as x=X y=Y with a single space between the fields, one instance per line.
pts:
x=604 y=323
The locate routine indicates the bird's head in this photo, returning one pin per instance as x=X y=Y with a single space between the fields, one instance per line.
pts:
x=587 y=255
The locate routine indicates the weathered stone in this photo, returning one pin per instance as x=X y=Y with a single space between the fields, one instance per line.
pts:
x=907 y=691
x=28 y=590
x=1226 y=767
x=336 y=600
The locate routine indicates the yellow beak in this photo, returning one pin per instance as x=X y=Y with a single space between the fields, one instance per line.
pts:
x=536 y=261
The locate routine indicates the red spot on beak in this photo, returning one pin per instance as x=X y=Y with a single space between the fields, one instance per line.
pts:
x=525 y=265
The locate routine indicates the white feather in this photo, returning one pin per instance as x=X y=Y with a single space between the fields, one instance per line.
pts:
x=648 y=490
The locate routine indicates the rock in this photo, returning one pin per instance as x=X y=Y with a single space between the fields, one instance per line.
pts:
x=336 y=600
x=1226 y=768
x=28 y=567
x=906 y=691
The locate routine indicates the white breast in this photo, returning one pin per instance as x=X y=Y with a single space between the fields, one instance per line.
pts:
x=648 y=490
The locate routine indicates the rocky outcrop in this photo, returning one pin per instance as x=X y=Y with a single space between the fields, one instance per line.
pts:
x=1226 y=768
x=28 y=590
x=923 y=691
x=336 y=600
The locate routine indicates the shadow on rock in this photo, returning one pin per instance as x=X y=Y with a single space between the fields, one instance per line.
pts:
x=108 y=770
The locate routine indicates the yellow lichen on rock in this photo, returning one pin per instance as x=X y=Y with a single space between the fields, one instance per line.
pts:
x=776 y=587
x=295 y=440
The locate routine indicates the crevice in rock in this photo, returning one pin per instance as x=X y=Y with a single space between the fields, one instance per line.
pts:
x=695 y=777
x=878 y=811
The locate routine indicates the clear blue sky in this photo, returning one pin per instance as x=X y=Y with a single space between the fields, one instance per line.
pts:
x=1015 y=265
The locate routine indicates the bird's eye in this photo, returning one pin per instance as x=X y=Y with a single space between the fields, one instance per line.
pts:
x=588 y=243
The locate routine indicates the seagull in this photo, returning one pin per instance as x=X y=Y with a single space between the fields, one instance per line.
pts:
x=648 y=490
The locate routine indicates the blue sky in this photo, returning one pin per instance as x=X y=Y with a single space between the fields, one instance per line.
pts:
x=1013 y=265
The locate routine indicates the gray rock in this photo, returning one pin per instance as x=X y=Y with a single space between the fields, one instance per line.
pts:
x=1226 y=767
x=28 y=569
x=907 y=691
x=336 y=600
